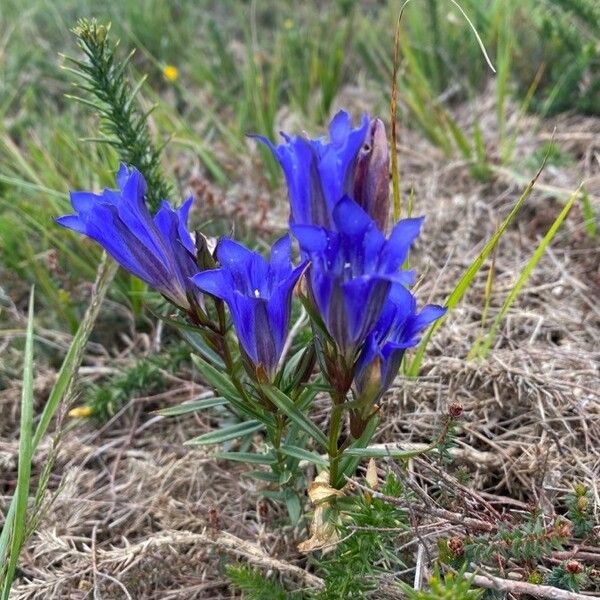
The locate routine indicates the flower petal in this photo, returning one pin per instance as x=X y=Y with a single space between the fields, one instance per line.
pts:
x=364 y=298
x=73 y=222
x=398 y=245
x=243 y=313
x=281 y=263
x=216 y=282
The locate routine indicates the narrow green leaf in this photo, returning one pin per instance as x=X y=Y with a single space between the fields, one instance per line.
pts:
x=285 y=405
x=225 y=387
x=279 y=495
x=70 y=365
x=199 y=344
x=303 y=454
x=192 y=406
x=219 y=381
x=371 y=452
x=525 y=274
x=263 y=476
x=253 y=458
x=294 y=508
x=17 y=525
x=226 y=433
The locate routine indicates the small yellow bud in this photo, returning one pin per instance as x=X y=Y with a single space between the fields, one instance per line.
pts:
x=171 y=72
x=535 y=577
x=101 y=33
x=288 y=24
x=583 y=503
x=81 y=412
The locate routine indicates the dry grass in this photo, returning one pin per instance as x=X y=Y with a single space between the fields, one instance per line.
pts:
x=134 y=512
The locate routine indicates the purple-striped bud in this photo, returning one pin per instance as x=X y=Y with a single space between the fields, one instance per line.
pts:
x=372 y=174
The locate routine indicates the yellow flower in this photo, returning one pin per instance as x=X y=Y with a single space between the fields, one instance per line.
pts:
x=170 y=72
x=288 y=24
x=81 y=412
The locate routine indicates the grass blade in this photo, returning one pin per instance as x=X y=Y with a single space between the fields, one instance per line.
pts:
x=66 y=375
x=525 y=274
x=106 y=271
x=17 y=525
x=465 y=281
x=378 y=452
x=253 y=458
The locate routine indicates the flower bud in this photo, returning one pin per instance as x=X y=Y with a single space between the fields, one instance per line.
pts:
x=372 y=174
x=573 y=567
x=456 y=546
x=455 y=410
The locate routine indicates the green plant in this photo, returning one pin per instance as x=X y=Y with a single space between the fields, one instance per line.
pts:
x=487 y=342
x=16 y=527
x=570 y=575
x=467 y=278
x=579 y=506
x=565 y=42
x=369 y=530
x=19 y=523
x=145 y=377
x=126 y=129
x=444 y=587
x=530 y=541
x=256 y=586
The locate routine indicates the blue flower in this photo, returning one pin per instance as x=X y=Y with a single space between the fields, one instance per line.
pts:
x=352 y=270
x=259 y=296
x=397 y=329
x=319 y=173
x=158 y=250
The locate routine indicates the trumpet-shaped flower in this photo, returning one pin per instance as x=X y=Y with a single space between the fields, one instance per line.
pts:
x=397 y=329
x=258 y=294
x=318 y=172
x=353 y=268
x=159 y=250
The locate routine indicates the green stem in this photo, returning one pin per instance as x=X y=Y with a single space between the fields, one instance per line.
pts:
x=335 y=428
x=277 y=444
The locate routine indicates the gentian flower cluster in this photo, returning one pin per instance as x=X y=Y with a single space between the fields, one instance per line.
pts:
x=160 y=251
x=356 y=287
x=339 y=198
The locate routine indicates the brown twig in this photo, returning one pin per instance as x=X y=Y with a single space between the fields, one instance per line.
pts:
x=522 y=587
